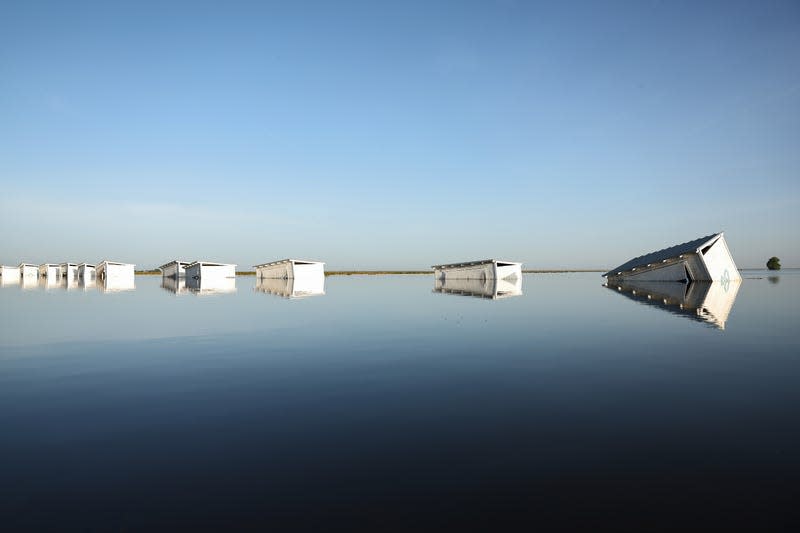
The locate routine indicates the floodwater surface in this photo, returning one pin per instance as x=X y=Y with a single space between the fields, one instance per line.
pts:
x=392 y=402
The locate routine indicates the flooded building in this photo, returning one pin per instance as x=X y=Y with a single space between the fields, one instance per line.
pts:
x=705 y=301
x=113 y=269
x=28 y=270
x=8 y=272
x=703 y=259
x=174 y=284
x=210 y=271
x=9 y=275
x=86 y=271
x=479 y=270
x=68 y=271
x=49 y=271
x=174 y=269
x=289 y=269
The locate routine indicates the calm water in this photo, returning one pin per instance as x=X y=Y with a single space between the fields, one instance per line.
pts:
x=385 y=405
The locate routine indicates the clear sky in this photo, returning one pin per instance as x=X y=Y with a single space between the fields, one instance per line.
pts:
x=397 y=134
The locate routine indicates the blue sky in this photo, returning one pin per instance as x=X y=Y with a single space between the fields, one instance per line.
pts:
x=397 y=135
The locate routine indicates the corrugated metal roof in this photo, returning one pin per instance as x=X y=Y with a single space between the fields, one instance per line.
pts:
x=666 y=253
x=475 y=263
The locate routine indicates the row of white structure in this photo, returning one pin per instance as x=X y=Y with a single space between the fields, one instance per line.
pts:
x=704 y=259
x=102 y=270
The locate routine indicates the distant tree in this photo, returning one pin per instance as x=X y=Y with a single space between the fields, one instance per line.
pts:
x=774 y=263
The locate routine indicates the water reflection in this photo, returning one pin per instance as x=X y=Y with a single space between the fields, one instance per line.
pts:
x=9 y=281
x=117 y=284
x=774 y=279
x=210 y=285
x=29 y=282
x=492 y=289
x=705 y=301
x=173 y=284
x=299 y=287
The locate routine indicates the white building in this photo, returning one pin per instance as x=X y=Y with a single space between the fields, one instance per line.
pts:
x=49 y=271
x=301 y=287
x=705 y=301
x=68 y=271
x=86 y=271
x=210 y=271
x=290 y=269
x=174 y=269
x=703 y=259
x=28 y=270
x=490 y=288
x=479 y=270
x=114 y=270
x=9 y=275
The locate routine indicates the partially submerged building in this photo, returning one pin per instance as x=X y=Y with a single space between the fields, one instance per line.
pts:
x=86 y=271
x=704 y=301
x=49 y=271
x=68 y=271
x=289 y=268
x=114 y=270
x=209 y=271
x=703 y=259
x=9 y=275
x=479 y=270
x=174 y=269
x=8 y=272
x=490 y=288
x=28 y=270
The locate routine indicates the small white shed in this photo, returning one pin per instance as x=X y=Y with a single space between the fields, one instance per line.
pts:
x=49 y=271
x=703 y=259
x=86 y=271
x=28 y=270
x=209 y=271
x=9 y=275
x=479 y=270
x=292 y=288
x=174 y=269
x=68 y=271
x=291 y=269
x=113 y=269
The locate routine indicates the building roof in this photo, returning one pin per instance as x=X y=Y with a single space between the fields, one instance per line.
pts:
x=667 y=253
x=476 y=263
x=208 y=263
x=107 y=262
x=283 y=261
x=174 y=261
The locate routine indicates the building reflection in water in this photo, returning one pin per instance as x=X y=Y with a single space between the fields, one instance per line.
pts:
x=117 y=283
x=29 y=282
x=489 y=288
x=704 y=301
x=297 y=287
x=210 y=285
x=175 y=285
